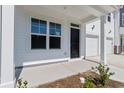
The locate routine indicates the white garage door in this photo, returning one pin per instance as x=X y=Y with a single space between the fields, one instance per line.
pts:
x=109 y=49
x=91 y=46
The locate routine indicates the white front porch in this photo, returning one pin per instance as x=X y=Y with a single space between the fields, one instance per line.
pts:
x=16 y=46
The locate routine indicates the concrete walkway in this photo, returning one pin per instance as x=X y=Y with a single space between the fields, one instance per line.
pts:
x=119 y=73
x=47 y=73
x=114 y=60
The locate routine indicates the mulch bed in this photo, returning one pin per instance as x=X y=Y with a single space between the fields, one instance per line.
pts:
x=74 y=82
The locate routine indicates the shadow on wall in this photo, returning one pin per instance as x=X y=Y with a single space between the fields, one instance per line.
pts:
x=18 y=72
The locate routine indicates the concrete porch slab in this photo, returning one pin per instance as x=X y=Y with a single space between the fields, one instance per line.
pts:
x=48 y=73
x=41 y=74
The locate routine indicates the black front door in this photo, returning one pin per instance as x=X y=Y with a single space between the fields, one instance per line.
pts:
x=74 y=43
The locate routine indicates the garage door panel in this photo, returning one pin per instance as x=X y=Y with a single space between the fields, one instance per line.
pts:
x=91 y=46
x=109 y=49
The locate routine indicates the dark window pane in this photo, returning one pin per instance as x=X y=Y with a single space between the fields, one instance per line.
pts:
x=55 y=42
x=58 y=29
x=52 y=31
x=43 y=27
x=121 y=16
x=34 y=25
x=35 y=29
x=35 y=21
x=58 y=32
x=42 y=30
x=55 y=29
x=52 y=25
x=42 y=23
x=38 y=26
x=38 y=42
x=58 y=26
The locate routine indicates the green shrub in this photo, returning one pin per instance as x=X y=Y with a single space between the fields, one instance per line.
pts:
x=22 y=83
x=88 y=83
x=104 y=74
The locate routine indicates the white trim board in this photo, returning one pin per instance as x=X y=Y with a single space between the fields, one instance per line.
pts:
x=43 y=62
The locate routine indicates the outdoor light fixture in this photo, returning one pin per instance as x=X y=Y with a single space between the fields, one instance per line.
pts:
x=109 y=31
x=93 y=27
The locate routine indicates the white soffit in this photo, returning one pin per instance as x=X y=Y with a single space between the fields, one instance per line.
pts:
x=83 y=13
x=70 y=10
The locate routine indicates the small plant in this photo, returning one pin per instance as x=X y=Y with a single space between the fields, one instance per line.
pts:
x=22 y=83
x=104 y=74
x=88 y=83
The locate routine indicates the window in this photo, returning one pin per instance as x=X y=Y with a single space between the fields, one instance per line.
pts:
x=122 y=19
x=109 y=17
x=55 y=35
x=38 y=34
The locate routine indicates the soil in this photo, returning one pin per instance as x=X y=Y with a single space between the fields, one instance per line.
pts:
x=74 y=82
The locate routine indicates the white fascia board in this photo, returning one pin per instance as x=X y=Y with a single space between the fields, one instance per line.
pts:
x=91 y=10
x=104 y=9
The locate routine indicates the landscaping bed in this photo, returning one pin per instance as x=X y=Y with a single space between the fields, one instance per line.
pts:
x=74 y=82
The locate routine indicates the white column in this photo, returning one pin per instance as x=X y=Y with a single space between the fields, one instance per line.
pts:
x=7 y=47
x=83 y=40
x=102 y=41
x=117 y=30
x=0 y=36
x=122 y=44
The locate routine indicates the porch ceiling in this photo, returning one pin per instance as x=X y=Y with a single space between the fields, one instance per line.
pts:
x=83 y=13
